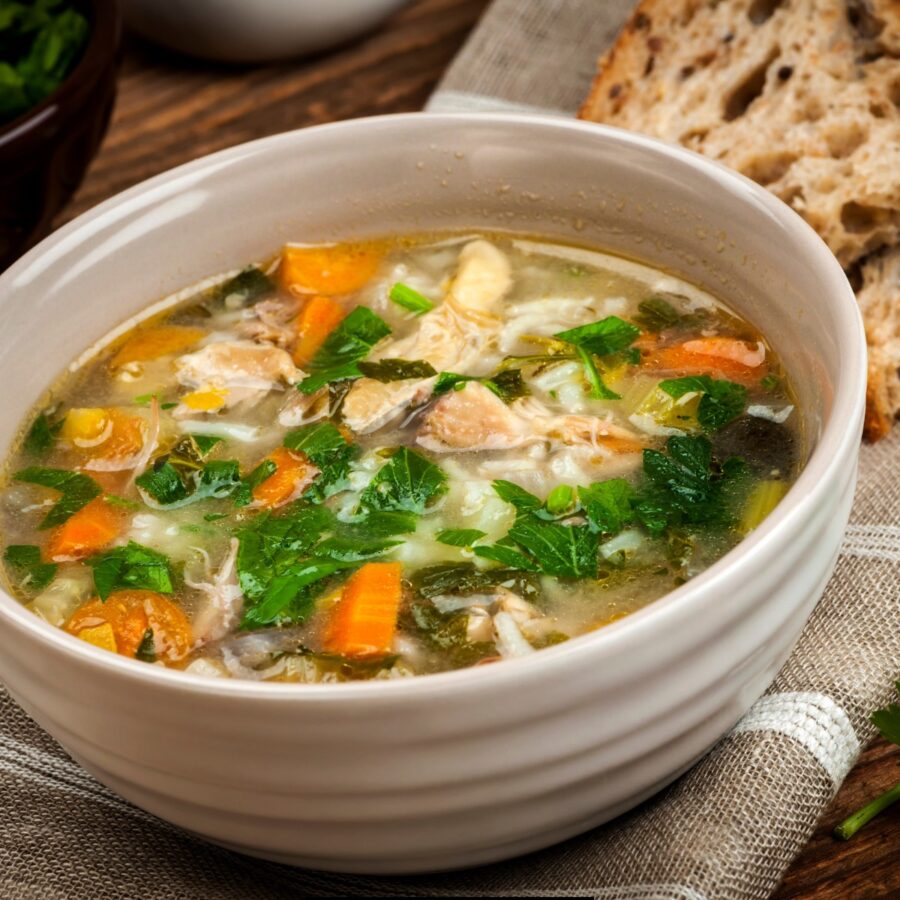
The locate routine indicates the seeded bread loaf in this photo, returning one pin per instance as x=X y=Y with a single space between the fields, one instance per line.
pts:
x=804 y=97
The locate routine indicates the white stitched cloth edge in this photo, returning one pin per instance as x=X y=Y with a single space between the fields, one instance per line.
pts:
x=873 y=542
x=813 y=720
x=462 y=101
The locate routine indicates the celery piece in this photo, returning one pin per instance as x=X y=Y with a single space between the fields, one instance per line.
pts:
x=764 y=497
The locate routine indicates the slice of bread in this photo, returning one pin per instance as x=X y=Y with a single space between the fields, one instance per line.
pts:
x=804 y=97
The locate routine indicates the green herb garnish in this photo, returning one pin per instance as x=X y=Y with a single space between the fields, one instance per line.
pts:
x=42 y=434
x=27 y=558
x=328 y=450
x=887 y=721
x=77 y=491
x=350 y=342
x=408 y=482
x=40 y=45
x=396 y=369
x=403 y=295
x=722 y=400
x=459 y=537
x=131 y=566
x=507 y=384
x=251 y=283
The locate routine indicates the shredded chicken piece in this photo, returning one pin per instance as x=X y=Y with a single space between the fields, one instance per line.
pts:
x=452 y=337
x=271 y=321
x=239 y=370
x=301 y=409
x=224 y=598
x=477 y=419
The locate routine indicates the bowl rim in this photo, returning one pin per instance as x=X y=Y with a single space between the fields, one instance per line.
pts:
x=837 y=445
x=103 y=42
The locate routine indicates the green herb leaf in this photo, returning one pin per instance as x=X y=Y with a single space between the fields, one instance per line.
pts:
x=459 y=537
x=77 y=491
x=27 y=558
x=521 y=499
x=244 y=492
x=599 y=390
x=887 y=721
x=601 y=338
x=396 y=369
x=249 y=284
x=172 y=483
x=722 y=400
x=205 y=442
x=507 y=555
x=42 y=434
x=146 y=651
x=684 y=486
x=131 y=566
x=410 y=299
x=567 y=551
x=350 y=342
x=466 y=578
x=447 y=634
x=656 y=314
x=408 y=482
x=608 y=505
x=327 y=449
x=507 y=384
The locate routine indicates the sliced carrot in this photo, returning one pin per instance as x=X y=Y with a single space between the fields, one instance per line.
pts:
x=318 y=318
x=335 y=269
x=85 y=532
x=152 y=343
x=678 y=360
x=365 y=619
x=293 y=471
x=121 y=622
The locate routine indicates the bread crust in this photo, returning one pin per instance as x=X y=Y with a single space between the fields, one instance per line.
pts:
x=803 y=96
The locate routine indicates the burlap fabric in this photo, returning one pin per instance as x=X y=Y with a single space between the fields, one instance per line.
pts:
x=727 y=829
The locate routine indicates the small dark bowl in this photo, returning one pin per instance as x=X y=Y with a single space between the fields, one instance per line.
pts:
x=45 y=152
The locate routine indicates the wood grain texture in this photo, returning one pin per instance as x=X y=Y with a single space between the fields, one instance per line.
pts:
x=172 y=109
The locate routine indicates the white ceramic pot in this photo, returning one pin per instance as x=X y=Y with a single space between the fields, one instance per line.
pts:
x=476 y=765
x=243 y=31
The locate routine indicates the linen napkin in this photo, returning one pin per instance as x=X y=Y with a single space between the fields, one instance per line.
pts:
x=727 y=829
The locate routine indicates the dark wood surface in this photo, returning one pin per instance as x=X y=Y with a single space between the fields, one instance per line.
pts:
x=172 y=109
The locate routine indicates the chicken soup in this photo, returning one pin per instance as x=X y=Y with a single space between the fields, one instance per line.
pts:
x=379 y=460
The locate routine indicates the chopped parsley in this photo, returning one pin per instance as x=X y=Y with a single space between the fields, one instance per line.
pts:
x=42 y=434
x=77 y=491
x=507 y=384
x=396 y=369
x=722 y=400
x=350 y=342
x=131 y=566
x=459 y=537
x=328 y=450
x=408 y=482
x=26 y=558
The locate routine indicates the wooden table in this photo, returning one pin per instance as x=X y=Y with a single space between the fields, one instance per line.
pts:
x=172 y=109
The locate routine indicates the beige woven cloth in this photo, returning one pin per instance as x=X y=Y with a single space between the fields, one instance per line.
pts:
x=727 y=829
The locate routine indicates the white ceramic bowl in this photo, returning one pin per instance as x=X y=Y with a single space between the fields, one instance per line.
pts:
x=243 y=31
x=471 y=766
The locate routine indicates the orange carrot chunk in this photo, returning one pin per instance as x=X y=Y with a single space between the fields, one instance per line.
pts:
x=293 y=472
x=318 y=318
x=152 y=343
x=337 y=269
x=682 y=360
x=85 y=532
x=365 y=618
x=122 y=621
